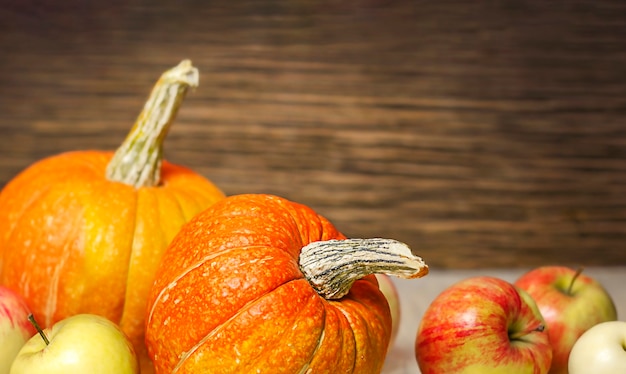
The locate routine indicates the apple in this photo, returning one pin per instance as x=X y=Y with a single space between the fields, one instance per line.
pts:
x=482 y=325
x=570 y=302
x=600 y=350
x=388 y=288
x=15 y=329
x=83 y=343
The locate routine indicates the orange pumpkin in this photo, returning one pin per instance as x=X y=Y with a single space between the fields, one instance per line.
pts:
x=84 y=231
x=257 y=283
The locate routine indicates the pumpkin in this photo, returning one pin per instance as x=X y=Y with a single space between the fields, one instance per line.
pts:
x=257 y=283
x=84 y=231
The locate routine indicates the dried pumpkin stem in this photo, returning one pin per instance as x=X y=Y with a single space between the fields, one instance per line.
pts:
x=137 y=161
x=332 y=266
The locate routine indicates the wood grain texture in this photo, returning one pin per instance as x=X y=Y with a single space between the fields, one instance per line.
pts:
x=483 y=134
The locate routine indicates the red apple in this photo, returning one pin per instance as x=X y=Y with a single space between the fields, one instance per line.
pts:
x=388 y=288
x=571 y=303
x=483 y=325
x=15 y=329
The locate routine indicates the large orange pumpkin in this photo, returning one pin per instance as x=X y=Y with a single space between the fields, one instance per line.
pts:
x=84 y=231
x=257 y=283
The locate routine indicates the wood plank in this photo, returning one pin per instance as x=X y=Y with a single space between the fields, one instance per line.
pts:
x=482 y=133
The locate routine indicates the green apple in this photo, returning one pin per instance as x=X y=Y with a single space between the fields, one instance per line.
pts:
x=570 y=303
x=600 y=350
x=84 y=343
x=483 y=325
x=388 y=288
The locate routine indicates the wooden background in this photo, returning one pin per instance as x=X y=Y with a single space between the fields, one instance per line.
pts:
x=482 y=133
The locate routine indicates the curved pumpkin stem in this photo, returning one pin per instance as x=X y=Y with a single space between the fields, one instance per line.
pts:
x=137 y=161
x=332 y=266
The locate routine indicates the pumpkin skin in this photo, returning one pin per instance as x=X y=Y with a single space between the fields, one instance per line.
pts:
x=229 y=297
x=73 y=241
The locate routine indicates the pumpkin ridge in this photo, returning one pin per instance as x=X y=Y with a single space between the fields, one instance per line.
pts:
x=299 y=218
x=25 y=208
x=305 y=219
x=320 y=340
x=353 y=341
x=176 y=193
x=52 y=297
x=34 y=196
x=99 y=192
x=182 y=274
x=130 y=253
x=313 y=220
x=246 y=307
x=345 y=315
x=352 y=307
x=343 y=321
x=14 y=222
x=87 y=162
x=314 y=297
x=51 y=302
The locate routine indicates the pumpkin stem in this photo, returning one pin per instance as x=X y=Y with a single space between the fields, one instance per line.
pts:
x=332 y=266
x=137 y=161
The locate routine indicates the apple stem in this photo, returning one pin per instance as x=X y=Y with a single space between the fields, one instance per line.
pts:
x=32 y=320
x=571 y=284
x=540 y=328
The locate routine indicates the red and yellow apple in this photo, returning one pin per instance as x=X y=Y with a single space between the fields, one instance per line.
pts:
x=83 y=343
x=570 y=303
x=15 y=329
x=483 y=325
